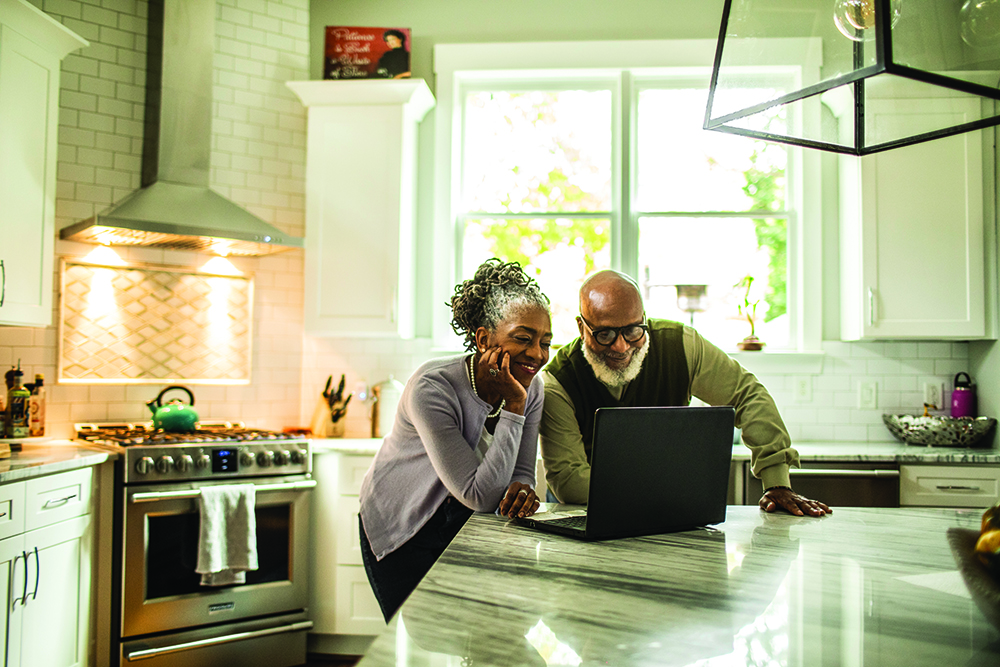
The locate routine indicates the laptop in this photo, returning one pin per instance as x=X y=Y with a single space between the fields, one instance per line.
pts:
x=652 y=470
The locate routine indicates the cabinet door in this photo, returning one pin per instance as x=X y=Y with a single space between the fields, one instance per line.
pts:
x=912 y=237
x=29 y=94
x=56 y=616
x=11 y=588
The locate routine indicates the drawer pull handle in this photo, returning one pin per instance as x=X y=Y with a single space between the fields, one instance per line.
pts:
x=135 y=656
x=38 y=573
x=3 y=514
x=957 y=488
x=56 y=502
x=841 y=472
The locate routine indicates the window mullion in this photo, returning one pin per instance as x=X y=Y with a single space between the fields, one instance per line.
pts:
x=625 y=236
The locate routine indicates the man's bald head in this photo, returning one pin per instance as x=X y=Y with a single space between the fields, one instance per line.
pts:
x=611 y=299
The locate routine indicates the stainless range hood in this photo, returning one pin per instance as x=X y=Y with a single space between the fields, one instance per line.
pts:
x=175 y=208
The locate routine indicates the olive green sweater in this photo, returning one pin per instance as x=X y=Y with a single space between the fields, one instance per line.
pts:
x=712 y=376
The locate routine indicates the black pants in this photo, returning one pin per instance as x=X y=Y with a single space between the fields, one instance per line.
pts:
x=394 y=577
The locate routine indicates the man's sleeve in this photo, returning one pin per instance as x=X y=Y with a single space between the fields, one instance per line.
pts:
x=567 y=472
x=717 y=379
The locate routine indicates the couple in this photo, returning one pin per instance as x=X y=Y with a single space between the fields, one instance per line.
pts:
x=465 y=433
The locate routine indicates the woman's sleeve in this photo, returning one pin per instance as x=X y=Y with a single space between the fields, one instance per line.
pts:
x=436 y=415
x=527 y=453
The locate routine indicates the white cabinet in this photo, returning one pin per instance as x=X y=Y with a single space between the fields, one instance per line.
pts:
x=949 y=486
x=360 y=204
x=912 y=236
x=45 y=570
x=31 y=48
x=342 y=602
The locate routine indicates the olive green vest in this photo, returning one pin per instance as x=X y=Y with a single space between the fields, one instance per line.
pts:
x=663 y=379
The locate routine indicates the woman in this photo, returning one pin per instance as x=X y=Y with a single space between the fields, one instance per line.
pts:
x=465 y=434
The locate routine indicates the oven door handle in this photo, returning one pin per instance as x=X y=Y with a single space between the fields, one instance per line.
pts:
x=214 y=641
x=195 y=493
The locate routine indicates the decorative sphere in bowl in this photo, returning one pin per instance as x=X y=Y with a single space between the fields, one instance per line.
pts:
x=939 y=431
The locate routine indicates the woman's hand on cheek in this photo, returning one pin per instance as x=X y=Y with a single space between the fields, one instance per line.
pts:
x=502 y=383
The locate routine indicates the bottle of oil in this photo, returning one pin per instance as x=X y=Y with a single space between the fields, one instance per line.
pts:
x=36 y=408
x=17 y=407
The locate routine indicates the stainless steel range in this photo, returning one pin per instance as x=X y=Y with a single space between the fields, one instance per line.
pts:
x=165 y=616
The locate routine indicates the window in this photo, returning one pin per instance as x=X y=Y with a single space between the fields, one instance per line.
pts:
x=572 y=170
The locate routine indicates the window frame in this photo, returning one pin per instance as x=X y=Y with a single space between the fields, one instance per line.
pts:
x=460 y=67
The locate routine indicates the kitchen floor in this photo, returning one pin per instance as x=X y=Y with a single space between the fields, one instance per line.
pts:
x=321 y=660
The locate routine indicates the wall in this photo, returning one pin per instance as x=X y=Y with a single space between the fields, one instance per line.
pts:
x=258 y=160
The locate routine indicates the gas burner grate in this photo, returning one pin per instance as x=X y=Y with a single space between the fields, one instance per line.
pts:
x=129 y=434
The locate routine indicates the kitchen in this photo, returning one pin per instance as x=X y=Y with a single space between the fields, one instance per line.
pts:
x=259 y=161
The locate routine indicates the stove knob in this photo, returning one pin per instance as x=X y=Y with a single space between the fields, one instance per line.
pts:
x=184 y=463
x=202 y=461
x=281 y=457
x=265 y=459
x=246 y=458
x=144 y=465
x=298 y=456
x=165 y=464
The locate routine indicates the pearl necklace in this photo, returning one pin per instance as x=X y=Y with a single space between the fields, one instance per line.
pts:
x=472 y=378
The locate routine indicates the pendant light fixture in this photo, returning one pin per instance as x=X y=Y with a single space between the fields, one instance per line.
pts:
x=855 y=76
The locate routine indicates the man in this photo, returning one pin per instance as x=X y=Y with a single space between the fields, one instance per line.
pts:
x=623 y=359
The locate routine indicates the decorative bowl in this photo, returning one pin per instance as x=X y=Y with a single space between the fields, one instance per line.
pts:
x=939 y=431
x=983 y=585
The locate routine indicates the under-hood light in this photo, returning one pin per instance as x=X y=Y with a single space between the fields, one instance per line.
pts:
x=220 y=266
x=105 y=255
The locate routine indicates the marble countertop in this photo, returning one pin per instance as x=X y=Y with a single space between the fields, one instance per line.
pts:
x=808 y=451
x=52 y=456
x=858 y=587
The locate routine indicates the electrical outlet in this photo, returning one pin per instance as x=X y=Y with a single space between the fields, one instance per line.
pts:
x=868 y=395
x=803 y=389
x=933 y=393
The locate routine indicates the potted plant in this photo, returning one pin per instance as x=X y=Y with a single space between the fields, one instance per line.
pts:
x=748 y=309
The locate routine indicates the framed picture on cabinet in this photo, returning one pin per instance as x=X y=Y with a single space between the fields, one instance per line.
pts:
x=366 y=53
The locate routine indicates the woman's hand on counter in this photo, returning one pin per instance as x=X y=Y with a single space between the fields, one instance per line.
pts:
x=784 y=498
x=519 y=501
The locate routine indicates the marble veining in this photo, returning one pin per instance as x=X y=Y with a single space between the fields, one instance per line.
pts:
x=858 y=587
x=36 y=460
x=882 y=452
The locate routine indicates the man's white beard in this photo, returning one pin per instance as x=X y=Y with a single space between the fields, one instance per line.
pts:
x=613 y=377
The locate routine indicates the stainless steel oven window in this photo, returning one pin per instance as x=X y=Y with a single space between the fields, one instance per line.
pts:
x=161 y=589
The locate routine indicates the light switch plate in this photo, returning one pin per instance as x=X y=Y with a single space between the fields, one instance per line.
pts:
x=803 y=389
x=868 y=395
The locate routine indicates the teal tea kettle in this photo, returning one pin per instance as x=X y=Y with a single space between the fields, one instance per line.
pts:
x=175 y=416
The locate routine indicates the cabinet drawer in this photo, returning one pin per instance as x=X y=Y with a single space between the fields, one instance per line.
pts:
x=949 y=486
x=11 y=509
x=358 y=612
x=58 y=497
x=352 y=471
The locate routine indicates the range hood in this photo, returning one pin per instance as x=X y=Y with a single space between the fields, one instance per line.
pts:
x=175 y=208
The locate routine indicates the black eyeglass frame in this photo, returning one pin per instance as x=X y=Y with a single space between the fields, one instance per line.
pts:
x=619 y=331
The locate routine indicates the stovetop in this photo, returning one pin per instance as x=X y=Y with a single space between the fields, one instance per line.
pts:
x=143 y=434
x=215 y=451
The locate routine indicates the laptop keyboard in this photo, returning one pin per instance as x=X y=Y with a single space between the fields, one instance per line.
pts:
x=575 y=522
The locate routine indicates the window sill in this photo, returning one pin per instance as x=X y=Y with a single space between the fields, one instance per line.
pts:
x=784 y=362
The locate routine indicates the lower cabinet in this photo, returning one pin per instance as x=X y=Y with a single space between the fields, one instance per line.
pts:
x=949 y=485
x=45 y=570
x=342 y=605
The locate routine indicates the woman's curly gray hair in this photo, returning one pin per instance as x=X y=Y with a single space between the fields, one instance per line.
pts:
x=498 y=289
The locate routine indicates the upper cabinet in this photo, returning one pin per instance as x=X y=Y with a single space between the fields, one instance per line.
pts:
x=31 y=48
x=912 y=236
x=360 y=204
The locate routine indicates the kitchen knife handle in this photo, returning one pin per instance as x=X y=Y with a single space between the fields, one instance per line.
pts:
x=871 y=306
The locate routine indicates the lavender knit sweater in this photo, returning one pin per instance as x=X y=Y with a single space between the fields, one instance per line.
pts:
x=430 y=453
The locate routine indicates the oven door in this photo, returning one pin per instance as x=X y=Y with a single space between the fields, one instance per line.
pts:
x=162 y=591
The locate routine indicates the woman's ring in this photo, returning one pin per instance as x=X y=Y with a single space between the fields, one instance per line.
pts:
x=522 y=492
x=494 y=372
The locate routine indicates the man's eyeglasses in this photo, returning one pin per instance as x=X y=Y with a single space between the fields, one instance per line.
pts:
x=632 y=333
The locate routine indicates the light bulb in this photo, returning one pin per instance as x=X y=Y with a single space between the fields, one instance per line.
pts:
x=980 y=23
x=856 y=18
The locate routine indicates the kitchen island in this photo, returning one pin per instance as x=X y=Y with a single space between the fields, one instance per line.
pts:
x=858 y=587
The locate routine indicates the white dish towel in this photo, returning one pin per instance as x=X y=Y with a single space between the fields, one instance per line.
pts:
x=227 y=542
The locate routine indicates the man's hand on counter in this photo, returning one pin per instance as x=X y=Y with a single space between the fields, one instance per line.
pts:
x=784 y=498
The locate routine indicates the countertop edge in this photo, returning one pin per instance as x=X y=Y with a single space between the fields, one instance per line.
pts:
x=40 y=460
